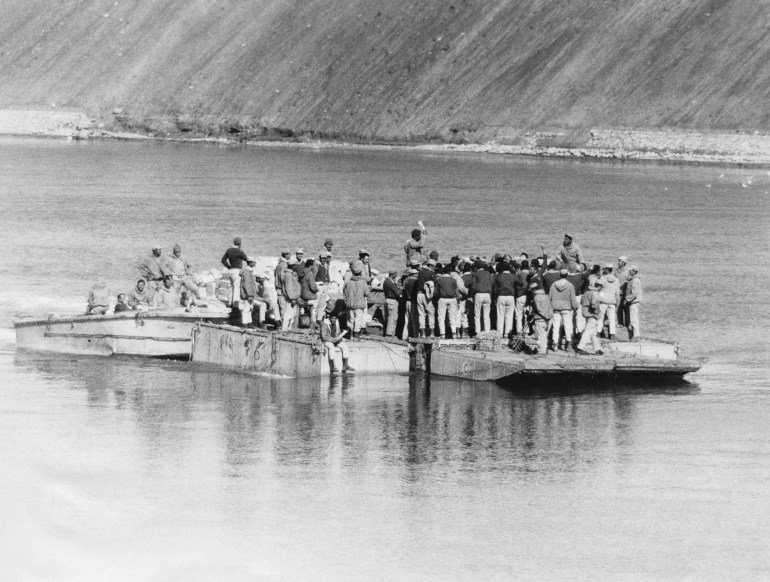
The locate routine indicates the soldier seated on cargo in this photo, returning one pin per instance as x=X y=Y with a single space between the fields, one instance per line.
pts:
x=333 y=340
x=140 y=297
x=121 y=305
x=98 y=298
x=166 y=297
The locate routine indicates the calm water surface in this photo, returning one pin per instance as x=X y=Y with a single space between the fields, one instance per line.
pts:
x=124 y=469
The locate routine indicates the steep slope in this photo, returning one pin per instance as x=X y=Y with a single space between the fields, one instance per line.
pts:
x=409 y=70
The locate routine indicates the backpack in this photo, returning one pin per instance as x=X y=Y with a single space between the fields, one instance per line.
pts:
x=430 y=287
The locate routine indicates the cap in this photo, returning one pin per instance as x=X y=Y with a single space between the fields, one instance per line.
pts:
x=292 y=261
x=498 y=256
x=177 y=248
x=633 y=268
x=328 y=241
x=324 y=255
x=430 y=262
x=362 y=252
x=356 y=267
x=251 y=260
x=393 y=272
x=608 y=266
x=563 y=272
x=300 y=251
x=285 y=251
x=434 y=255
x=568 y=235
x=157 y=246
x=623 y=258
x=237 y=240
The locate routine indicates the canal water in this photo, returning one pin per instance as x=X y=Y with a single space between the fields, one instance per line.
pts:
x=126 y=469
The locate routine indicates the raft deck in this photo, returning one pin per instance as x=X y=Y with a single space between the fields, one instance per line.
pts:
x=292 y=353
x=620 y=359
x=298 y=354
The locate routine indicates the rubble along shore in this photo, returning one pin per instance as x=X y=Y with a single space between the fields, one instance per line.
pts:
x=689 y=147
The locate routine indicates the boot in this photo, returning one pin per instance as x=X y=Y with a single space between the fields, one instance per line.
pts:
x=346 y=367
x=333 y=367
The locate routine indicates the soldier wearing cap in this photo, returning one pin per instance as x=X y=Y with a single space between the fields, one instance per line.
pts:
x=180 y=270
x=300 y=264
x=356 y=293
x=564 y=303
x=570 y=253
x=633 y=299
x=283 y=262
x=542 y=313
x=264 y=299
x=322 y=267
x=426 y=312
x=248 y=291
x=151 y=270
x=291 y=294
x=590 y=306
x=609 y=297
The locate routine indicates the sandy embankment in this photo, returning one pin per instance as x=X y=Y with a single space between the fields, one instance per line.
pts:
x=688 y=147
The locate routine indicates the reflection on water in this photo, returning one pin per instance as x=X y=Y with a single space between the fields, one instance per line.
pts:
x=408 y=422
x=453 y=477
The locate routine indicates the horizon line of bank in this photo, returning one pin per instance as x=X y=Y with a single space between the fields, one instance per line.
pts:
x=683 y=147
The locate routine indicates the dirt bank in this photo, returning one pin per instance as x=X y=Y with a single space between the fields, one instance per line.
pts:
x=528 y=76
x=686 y=147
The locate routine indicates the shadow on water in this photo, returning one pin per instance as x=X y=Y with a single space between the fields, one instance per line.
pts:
x=412 y=424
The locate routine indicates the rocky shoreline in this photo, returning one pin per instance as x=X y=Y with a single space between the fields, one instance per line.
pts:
x=738 y=148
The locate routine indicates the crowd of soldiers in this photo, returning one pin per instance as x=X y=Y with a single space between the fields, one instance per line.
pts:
x=562 y=300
